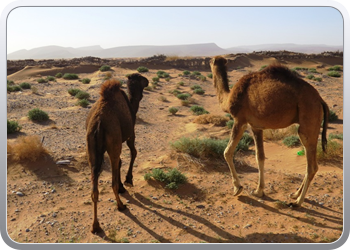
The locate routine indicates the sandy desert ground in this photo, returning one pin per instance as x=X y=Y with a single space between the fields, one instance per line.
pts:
x=55 y=205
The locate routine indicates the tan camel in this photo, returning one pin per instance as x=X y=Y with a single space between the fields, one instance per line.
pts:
x=111 y=122
x=271 y=99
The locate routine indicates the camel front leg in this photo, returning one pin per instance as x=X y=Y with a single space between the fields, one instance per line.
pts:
x=237 y=132
x=260 y=158
x=133 y=154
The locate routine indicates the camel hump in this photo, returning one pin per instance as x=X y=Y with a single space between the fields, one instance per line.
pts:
x=109 y=88
x=277 y=69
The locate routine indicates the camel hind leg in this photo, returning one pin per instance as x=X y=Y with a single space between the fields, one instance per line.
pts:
x=114 y=149
x=308 y=137
x=260 y=158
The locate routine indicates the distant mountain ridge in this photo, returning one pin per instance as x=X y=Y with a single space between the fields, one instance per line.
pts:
x=205 y=49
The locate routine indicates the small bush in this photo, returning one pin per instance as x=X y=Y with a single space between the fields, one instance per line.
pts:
x=196 y=73
x=83 y=103
x=263 y=67
x=334 y=74
x=37 y=114
x=186 y=72
x=300 y=68
x=42 y=80
x=142 y=69
x=180 y=84
x=82 y=95
x=13 y=88
x=162 y=98
x=9 y=82
x=318 y=79
x=335 y=136
x=334 y=151
x=196 y=86
x=230 y=124
x=185 y=103
x=51 y=78
x=198 y=110
x=312 y=70
x=199 y=91
x=210 y=75
x=58 y=75
x=155 y=79
x=162 y=74
x=25 y=85
x=310 y=76
x=167 y=79
x=172 y=178
x=12 y=127
x=26 y=148
x=173 y=110
x=292 y=141
x=70 y=76
x=183 y=96
x=104 y=68
x=108 y=76
x=279 y=134
x=202 y=78
x=217 y=120
x=73 y=92
x=335 y=68
x=244 y=143
x=86 y=80
x=332 y=116
x=175 y=92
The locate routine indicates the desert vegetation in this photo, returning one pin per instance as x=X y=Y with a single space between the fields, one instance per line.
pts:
x=182 y=190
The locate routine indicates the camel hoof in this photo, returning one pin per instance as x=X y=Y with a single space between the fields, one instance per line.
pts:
x=122 y=207
x=238 y=191
x=96 y=228
x=293 y=205
x=128 y=183
x=258 y=194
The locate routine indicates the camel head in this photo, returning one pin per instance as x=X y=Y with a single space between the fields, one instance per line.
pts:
x=219 y=70
x=136 y=83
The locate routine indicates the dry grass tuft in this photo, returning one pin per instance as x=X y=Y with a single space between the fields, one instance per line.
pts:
x=26 y=148
x=211 y=119
x=333 y=153
x=279 y=134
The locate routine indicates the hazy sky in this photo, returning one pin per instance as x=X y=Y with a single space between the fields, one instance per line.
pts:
x=32 y=27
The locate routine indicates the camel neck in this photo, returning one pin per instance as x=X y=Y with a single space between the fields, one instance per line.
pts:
x=222 y=90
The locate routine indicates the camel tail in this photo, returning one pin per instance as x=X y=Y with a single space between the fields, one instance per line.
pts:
x=325 y=125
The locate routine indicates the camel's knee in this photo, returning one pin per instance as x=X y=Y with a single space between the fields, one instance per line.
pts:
x=228 y=155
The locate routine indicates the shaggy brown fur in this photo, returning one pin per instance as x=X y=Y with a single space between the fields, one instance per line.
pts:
x=111 y=122
x=271 y=99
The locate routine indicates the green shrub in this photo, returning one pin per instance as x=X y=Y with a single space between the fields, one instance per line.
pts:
x=244 y=143
x=180 y=84
x=292 y=141
x=83 y=103
x=198 y=110
x=155 y=79
x=196 y=86
x=37 y=114
x=105 y=68
x=332 y=116
x=58 y=75
x=199 y=91
x=195 y=73
x=25 y=85
x=51 y=78
x=82 y=95
x=183 y=96
x=173 y=110
x=310 y=76
x=142 y=69
x=175 y=92
x=167 y=79
x=210 y=75
x=73 y=92
x=172 y=178
x=9 y=82
x=185 y=103
x=13 y=88
x=85 y=80
x=70 y=76
x=42 y=80
x=186 y=72
x=300 y=68
x=12 y=127
x=230 y=123
x=335 y=136
x=312 y=70
x=263 y=67
x=162 y=74
x=318 y=79
x=202 y=78
x=334 y=74
x=335 y=68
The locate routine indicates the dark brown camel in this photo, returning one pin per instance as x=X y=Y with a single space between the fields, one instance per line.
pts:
x=271 y=99
x=111 y=122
